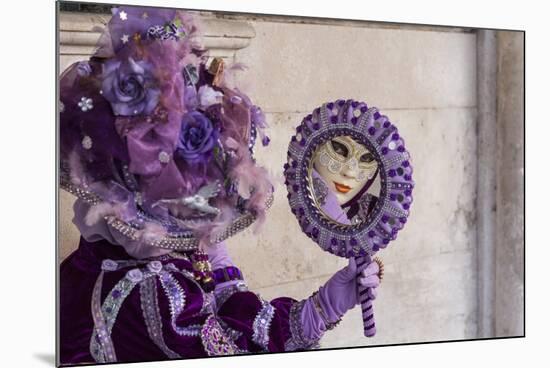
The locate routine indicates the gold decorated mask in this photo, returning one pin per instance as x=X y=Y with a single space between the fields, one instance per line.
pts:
x=345 y=165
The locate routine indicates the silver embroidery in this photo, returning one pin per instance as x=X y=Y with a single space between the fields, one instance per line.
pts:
x=151 y=315
x=176 y=297
x=101 y=345
x=298 y=341
x=208 y=303
x=262 y=323
x=109 y=310
x=214 y=339
x=231 y=333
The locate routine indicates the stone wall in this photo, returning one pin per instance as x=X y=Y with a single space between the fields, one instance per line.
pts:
x=424 y=79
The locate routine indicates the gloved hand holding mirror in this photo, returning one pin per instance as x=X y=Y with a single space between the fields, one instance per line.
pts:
x=349 y=182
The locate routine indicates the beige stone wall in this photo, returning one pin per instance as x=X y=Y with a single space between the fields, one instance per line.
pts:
x=425 y=81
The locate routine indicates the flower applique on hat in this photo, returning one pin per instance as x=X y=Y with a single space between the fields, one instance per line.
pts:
x=154 y=142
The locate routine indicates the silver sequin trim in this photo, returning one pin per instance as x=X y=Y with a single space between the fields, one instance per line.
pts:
x=151 y=315
x=170 y=241
x=109 y=309
x=176 y=298
x=298 y=341
x=229 y=332
x=262 y=323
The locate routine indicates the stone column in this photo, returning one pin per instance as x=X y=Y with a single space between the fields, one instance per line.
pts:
x=509 y=275
x=486 y=179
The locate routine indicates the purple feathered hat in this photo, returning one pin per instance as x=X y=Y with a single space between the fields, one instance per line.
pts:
x=155 y=144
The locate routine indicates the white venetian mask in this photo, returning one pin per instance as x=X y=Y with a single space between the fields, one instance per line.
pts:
x=345 y=166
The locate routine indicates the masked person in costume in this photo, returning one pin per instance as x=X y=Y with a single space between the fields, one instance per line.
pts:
x=158 y=148
x=343 y=171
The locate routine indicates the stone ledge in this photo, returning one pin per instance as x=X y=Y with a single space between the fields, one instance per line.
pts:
x=79 y=32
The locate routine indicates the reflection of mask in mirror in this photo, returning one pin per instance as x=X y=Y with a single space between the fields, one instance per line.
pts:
x=345 y=165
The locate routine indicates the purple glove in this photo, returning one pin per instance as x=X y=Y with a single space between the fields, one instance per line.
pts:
x=219 y=258
x=336 y=297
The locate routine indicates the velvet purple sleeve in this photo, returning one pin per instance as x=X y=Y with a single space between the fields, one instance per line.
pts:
x=284 y=328
x=149 y=325
x=279 y=332
x=287 y=331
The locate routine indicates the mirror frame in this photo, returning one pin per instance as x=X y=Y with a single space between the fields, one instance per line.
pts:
x=375 y=131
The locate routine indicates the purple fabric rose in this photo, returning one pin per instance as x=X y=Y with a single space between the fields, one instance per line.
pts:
x=128 y=86
x=197 y=137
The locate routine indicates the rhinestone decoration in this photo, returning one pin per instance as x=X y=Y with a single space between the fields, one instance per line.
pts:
x=87 y=142
x=61 y=106
x=138 y=198
x=123 y=15
x=86 y=104
x=183 y=242
x=164 y=157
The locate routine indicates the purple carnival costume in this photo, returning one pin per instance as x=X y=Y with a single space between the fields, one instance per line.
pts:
x=158 y=148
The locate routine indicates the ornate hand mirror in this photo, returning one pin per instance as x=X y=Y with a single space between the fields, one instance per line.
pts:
x=349 y=182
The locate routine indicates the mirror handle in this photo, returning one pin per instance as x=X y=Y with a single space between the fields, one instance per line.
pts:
x=369 y=327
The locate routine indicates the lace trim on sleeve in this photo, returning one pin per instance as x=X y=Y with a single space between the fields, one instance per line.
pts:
x=298 y=341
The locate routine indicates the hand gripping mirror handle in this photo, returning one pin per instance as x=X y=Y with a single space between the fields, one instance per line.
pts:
x=369 y=327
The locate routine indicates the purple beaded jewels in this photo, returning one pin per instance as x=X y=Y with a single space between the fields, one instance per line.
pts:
x=355 y=142
x=349 y=181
